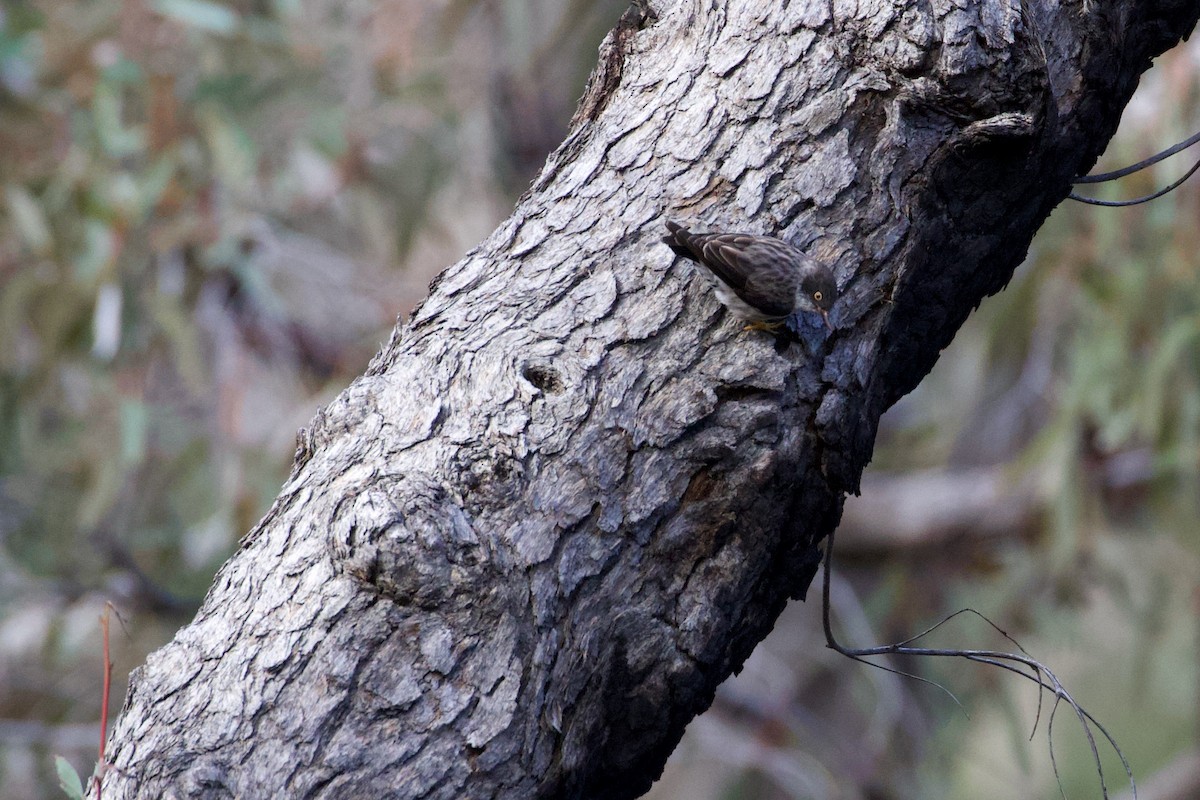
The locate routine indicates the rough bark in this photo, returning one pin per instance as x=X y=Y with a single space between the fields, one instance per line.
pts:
x=570 y=495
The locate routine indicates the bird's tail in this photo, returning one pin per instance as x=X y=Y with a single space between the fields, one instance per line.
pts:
x=682 y=241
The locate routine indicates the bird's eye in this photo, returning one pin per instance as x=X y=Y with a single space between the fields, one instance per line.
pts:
x=818 y=296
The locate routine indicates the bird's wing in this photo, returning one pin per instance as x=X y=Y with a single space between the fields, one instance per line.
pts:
x=757 y=269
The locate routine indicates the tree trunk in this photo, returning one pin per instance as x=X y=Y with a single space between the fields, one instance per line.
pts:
x=570 y=495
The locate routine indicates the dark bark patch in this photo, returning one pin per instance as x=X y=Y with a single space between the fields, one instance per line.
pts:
x=544 y=378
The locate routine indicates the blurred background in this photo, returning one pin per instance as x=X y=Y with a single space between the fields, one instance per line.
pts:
x=211 y=214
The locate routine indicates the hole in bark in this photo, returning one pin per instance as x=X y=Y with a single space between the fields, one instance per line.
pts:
x=543 y=377
x=741 y=393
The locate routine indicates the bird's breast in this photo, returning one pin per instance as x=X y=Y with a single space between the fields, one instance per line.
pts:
x=729 y=298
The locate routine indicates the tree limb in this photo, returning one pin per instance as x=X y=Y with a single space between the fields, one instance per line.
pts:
x=569 y=496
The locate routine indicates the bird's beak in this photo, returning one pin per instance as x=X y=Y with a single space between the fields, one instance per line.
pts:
x=825 y=316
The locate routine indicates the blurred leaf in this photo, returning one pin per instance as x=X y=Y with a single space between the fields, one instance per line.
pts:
x=28 y=217
x=201 y=14
x=264 y=31
x=287 y=8
x=106 y=322
x=123 y=195
x=123 y=71
x=104 y=480
x=234 y=153
x=153 y=182
x=15 y=299
x=21 y=18
x=116 y=139
x=58 y=315
x=10 y=441
x=1164 y=363
x=327 y=131
x=18 y=71
x=1184 y=451
x=99 y=249
x=230 y=89
x=68 y=779
x=182 y=337
x=133 y=431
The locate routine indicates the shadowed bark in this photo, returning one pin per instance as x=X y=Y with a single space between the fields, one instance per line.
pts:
x=570 y=495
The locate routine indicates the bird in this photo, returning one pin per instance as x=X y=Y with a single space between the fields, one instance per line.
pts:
x=761 y=279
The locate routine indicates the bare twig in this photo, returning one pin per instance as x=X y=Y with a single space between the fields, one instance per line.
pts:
x=104 y=697
x=1104 y=177
x=1137 y=200
x=1038 y=673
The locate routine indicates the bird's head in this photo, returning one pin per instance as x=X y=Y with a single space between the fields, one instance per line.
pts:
x=817 y=292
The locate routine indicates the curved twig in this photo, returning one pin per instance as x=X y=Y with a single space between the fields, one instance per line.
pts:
x=1104 y=177
x=1137 y=200
x=1037 y=673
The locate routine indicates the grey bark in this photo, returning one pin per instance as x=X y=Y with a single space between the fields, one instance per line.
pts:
x=570 y=495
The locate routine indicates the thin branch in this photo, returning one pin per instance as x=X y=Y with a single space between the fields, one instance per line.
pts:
x=1038 y=673
x=1104 y=177
x=1138 y=200
x=104 y=698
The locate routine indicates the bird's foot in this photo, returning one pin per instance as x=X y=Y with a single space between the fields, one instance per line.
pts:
x=762 y=325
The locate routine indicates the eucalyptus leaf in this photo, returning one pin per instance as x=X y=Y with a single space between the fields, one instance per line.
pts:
x=200 y=14
x=116 y=139
x=134 y=425
x=68 y=778
x=28 y=218
x=99 y=249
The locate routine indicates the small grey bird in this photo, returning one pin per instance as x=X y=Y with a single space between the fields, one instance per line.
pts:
x=759 y=278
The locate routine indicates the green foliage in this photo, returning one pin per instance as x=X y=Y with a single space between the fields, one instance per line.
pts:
x=143 y=148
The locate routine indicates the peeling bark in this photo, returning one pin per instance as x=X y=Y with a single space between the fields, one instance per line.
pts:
x=569 y=496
